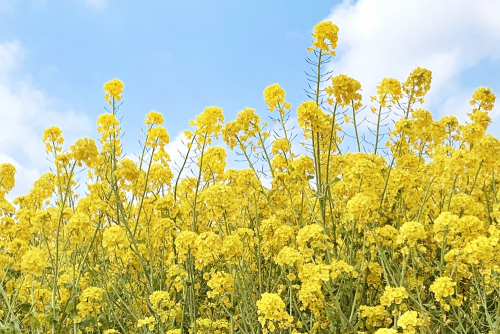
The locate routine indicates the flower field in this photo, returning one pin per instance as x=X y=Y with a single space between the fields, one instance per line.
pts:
x=399 y=233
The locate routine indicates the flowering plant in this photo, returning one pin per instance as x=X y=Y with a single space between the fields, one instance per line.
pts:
x=401 y=238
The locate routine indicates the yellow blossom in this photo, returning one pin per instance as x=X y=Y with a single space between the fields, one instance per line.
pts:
x=323 y=31
x=113 y=90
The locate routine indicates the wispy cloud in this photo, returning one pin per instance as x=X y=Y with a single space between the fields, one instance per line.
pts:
x=177 y=150
x=25 y=112
x=390 y=38
x=96 y=4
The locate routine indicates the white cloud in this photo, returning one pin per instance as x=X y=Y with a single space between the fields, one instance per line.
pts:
x=25 y=177
x=11 y=54
x=390 y=38
x=25 y=112
x=96 y=4
x=177 y=149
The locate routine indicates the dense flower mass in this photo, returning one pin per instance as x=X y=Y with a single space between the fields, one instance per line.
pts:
x=396 y=238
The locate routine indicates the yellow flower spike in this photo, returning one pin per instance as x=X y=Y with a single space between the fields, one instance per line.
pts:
x=113 y=90
x=483 y=98
x=208 y=123
x=84 y=150
x=375 y=315
x=393 y=295
x=157 y=137
x=7 y=181
x=443 y=287
x=90 y=302
x=323 y=31
x=390 y=91
x=411 y=231
x=154 y=117
x=220 y=282
x=418 y=84
x=53 y=136
x=115 y=241
x=34 y=261
x=344 y=91
x=274 y=95
x=271 y=308
x=107 y=126
x=311 y=118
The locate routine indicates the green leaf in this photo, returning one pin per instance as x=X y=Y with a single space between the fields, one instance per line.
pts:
x=24 y=307
x=35 y=323
x=72 y=304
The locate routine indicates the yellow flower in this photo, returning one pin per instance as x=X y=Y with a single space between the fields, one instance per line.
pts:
x=409 y=320
x=185 y=240
x=393 y=295
x=212 y=163
x=34 y=261
x=443 y=287
x=78 y=228
x=154 y=118
x=84 y=150
x=157 y=137
x=281 y=146
x=418 y=84
x=323 y=31
x=309 y=238
x=289 y=256
x=274 y=95
x=107 y=125
x=208 y=247
x=389 y=87
x=375 y=316
x=53 y=139
x=232 y=247
x=7 y=181
x=270 y=308
x=115 y=241
x=90 y=302
x=220 y=282
x=208 y=123
x=344 y=90
x=247 y=121
x=483 y=98
x=127 y=170
x=411 y=231
x=311 y=118
x=386 y=331
x=113 y=89
x=150 y=322
x=160 y=299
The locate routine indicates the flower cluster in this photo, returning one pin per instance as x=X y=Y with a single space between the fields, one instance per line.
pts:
x=402 y=238
x=270 y=307
x=114 y=90
x=344 y=91
x=324 y=31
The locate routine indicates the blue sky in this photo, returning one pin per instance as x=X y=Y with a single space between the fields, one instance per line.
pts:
x=178 y=57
